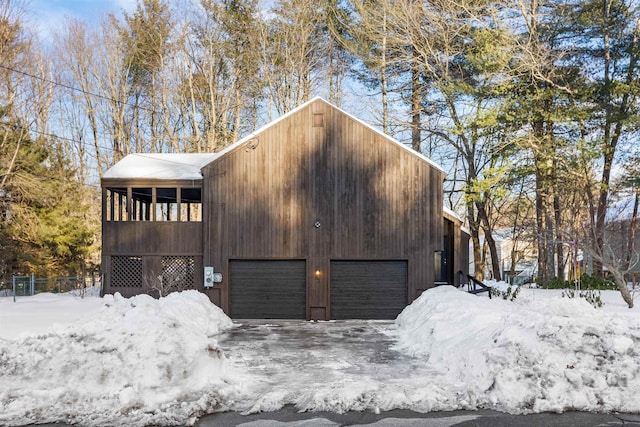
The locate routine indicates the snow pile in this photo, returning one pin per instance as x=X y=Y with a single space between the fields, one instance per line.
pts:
x=138 y=361
x=142 y=361
x=530 y=355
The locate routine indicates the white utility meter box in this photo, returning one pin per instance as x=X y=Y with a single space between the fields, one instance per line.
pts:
x=208 y=277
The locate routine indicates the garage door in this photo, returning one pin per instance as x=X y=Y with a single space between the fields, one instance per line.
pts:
x=265 y=289
x=368 y=289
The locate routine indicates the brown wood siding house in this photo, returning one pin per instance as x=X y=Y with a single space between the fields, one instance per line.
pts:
x=315 y=216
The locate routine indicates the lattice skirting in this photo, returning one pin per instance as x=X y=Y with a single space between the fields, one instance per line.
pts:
x=131 y=274
x=126 y=271
x=178 y=272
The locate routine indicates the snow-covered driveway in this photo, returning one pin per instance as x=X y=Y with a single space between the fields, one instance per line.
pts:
x=448 y=350
x=142 y=361
x=335 y=366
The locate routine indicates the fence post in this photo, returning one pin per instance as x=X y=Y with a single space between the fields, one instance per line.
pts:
x=33 y=284
x=13 y=280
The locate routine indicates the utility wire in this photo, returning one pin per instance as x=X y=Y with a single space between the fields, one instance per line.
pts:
x=52 y=135
x=106 y=98
x=86 y=143
x=91 y=145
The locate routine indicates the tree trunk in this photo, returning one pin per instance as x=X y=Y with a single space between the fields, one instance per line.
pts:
x=542 y=247
x=560 y=261
x=237 y=113
x=383 y=77
x=416 y=108
x=489 y=240
x=621 y=283
x=474 y=228
x=549 y=243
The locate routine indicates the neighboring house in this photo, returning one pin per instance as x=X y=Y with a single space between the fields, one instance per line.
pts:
x=517 y=255
x=517 y=249
x=315 y=216
x=622 y=237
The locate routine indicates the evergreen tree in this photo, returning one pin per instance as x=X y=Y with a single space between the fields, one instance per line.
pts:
x=43 y=223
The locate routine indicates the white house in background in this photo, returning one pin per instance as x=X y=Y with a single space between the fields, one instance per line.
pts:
x=517 y=252
x=620 y=224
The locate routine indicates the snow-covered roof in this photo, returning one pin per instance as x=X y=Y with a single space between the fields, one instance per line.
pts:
x=621 y=209
x=172 y=166
x=165 y=166
x=452 y=213
x=455 y=215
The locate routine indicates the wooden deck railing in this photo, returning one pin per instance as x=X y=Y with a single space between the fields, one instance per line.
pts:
x=475 y=286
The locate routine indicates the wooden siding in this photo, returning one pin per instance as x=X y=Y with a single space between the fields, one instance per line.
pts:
x=460 y=244
x=151 y=238
x=371 y=199
x=148 y=242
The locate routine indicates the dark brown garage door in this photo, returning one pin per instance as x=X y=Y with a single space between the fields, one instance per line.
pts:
x=368 y=289
x=266 y=289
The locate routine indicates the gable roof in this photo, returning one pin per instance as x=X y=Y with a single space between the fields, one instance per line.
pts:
x=175 y=166
x=319 y=99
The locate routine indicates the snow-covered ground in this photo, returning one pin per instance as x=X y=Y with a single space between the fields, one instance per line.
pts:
x=140 y=361
x=110 y=361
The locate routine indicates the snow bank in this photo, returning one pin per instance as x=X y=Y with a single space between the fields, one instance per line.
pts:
x=530 y=355
x=139 y=361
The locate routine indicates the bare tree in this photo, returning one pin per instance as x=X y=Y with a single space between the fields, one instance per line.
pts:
x=619 y=252
x=292 y=52
x=369 y=36
x=611 y=253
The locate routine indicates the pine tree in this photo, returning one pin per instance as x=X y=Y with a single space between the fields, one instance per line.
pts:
x=43 y=223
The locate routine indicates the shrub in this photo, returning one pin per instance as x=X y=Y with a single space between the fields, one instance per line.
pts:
x=555 y=283
x=590 y=295
x=510 y=294
x=587 y=282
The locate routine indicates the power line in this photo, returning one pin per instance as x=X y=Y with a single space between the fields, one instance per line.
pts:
x=52 y=135
x=85 y=143
x=78 y=90
x=92 y=145
x=97 y=95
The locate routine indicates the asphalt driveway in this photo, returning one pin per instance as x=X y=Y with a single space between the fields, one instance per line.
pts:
x=337 y=365
x=347 y=373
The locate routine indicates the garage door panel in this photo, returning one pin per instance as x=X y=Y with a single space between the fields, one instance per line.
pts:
x=268 y=289
x=368 y=289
